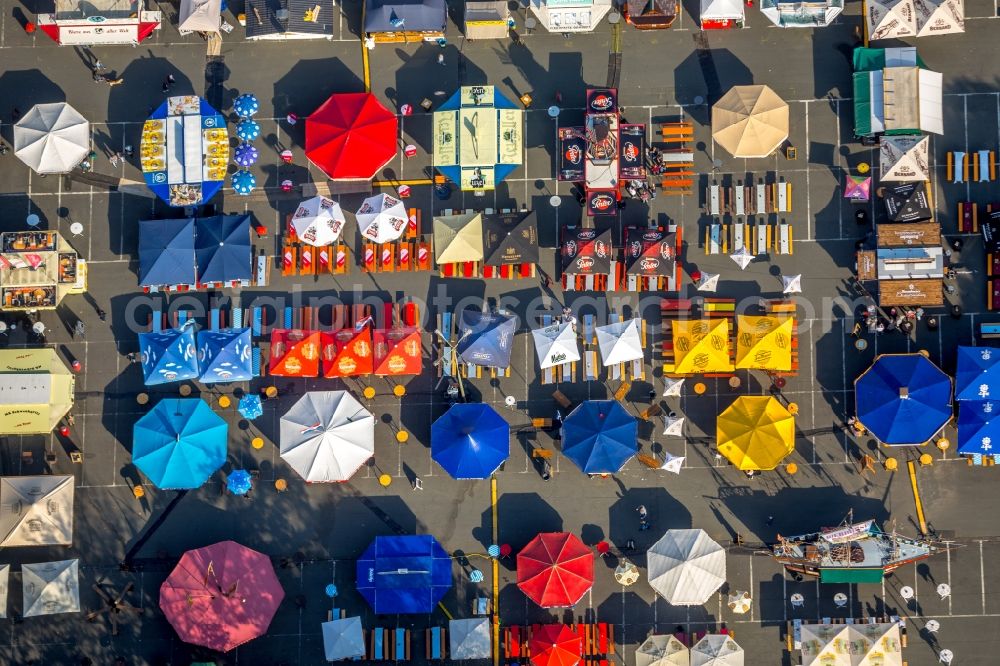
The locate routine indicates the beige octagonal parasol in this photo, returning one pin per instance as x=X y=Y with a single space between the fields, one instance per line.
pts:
x=750 y=121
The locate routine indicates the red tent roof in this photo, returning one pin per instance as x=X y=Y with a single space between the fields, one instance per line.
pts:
x=351 y=136
x=555 y=569
x=397 y=351
x=554 y=645
x=348 y=353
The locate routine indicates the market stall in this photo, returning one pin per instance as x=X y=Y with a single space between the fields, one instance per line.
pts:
x=907 y=202
x=294 y=353
x=565 y=16
x=603 y=155
x=651 y=14
x=37 y=511
x=458 y=243
x=348 y=352
x=510 y=245
x=721 y=14
x=904 y=158
x=894 y=93
x=184 y=151
x=224 y=355
x=90 y=22
x=977 y=374
x=290 y=19
x=168 y=356
x=478 y=136
x=36 y=391
x=398 y=351
x=485 y=340
x=486 y=19
x=195 y=253
x=652 y=259
x=768 y=343
x=404 y=575
x=801 y=14
x=204 y=16
x=861 y=644
x=698 y=346
x=37 y=270
x=50 y=587
x=395 y=21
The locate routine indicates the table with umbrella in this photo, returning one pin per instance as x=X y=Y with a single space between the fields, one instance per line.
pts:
x=250 y=406
x=239 y=482
x=555 y=569
x=52 y=138
x=755 y=433
x=470 y=441
x=626 y=572
x=599 y=436
x=318 y=221
x=244 y=182
x=351 y=136
x=246 y=105
x=248 y=130
x=245 y=155
x=740 y=602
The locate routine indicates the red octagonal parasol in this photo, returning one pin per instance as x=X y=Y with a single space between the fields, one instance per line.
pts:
x=351 y=136
x=555 y=569
x=554 y=645
x=221 y=596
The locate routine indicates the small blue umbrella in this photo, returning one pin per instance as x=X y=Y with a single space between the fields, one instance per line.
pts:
x=245 y=155
x=239 y=482
x=248 y=130
x=246 y=105
x=244 y=182
x=251 y=407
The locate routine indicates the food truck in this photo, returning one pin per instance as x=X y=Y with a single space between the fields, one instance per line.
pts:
x=38 y=269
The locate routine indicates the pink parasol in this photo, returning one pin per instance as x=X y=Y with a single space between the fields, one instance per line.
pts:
x=858 y=188
x=221 y=596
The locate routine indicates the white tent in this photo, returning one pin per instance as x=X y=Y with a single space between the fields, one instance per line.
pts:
x=470 y=639
x=52 y=138
x=570 y=15
x=904 y=158
x=662 y=650
x=892 y=19
x=4 y=580
x=199 y=16
x=318 y=221
x=674 y=426
x=742 y=257
x=620 y=342
x=673 y=463
x=872 y=645
x=716 y=650
x=327 y=436
x=673 y=387
x=343 y=638
x=51 y=587
x=721 y=10
x=382 y=218
x=709 y=282
x=555 y=345
x=801 y=14
x=686 y=567
x=791 y=284
x=36 y=511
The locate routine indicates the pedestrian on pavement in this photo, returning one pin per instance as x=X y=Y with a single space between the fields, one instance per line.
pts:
x=131 y=357
x=770 y=520
x=15 y=113
x=102 y=315
x=643 y=518
x=441 y=59
x=80 y=329
x=129 y=151
x=114 y=160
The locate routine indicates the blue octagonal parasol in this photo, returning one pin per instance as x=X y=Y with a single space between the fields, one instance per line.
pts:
x=251 y=407
x=244 y=182
x=239 y=482
x=248 y=130
x=246 y=105
x=245 y=155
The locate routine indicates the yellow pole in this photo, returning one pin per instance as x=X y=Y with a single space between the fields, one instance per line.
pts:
x=496 y=576
x=864 y=22
x=364 y=52
x=444 y=610
x=916 y=497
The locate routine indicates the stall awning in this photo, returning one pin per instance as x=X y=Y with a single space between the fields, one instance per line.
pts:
x=405 y=15
x=850 y=575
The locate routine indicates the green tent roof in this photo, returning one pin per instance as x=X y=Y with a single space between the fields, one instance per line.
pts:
x=851 y=575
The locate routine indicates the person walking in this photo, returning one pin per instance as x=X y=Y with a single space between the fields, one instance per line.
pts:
x=80 y=329
x=643 y=517
x=114 y=160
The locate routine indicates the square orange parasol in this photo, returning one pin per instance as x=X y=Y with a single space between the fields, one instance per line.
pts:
x=348 y=353
x=294 y=353
x=398 y=351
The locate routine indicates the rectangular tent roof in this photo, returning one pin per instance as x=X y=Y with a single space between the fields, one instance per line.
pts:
x=416 y=15
x=909 y=263
x=36 y=390
x=295 y=25
x=36 y=511
x=199 y=16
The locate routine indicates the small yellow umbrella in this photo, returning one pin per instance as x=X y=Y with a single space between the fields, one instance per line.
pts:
x=755 y=432
x=764 y=343
x=701 y=345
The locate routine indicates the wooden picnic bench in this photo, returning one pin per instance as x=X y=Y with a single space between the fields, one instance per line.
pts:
x=411 y=252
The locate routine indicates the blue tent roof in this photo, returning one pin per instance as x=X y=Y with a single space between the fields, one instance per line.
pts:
x=486 y=339
x=166 y=252
x=977 y=375
x=903 y=399
x=180 y=443
x=224 y=356
x=168 y=356
x=978 y=426
x=600 y=436
x=404 y=574
x=410 y=15
x=470 y=441
x=222 y=248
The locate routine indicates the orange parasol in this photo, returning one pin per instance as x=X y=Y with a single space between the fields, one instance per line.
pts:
x=398 y=351
x=348 y=353
x=294 y=353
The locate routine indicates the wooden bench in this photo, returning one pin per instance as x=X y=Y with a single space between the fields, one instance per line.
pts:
x=784 y=243
x=968 y=217
x=515 y=642
x=781 y=197
x=717 y=238
x=677 y=132
x=989 y=331
x=435 y=646
x=984 y=166
x=761 y=238
x=738 y=197
x=713 y=195
x=561 y=399
x=957 y=167
x=740 y=234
